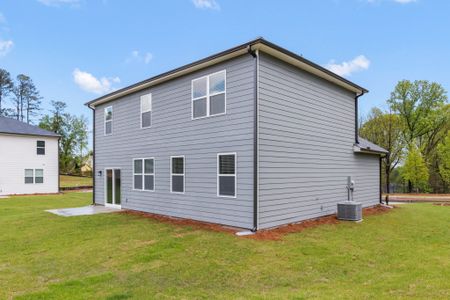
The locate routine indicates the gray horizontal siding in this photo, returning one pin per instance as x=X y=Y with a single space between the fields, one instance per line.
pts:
x=174 y=133
x=306 y=134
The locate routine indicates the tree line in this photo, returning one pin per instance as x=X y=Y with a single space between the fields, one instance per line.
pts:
x=20 y=99
x=24 y=98
x=415 y=131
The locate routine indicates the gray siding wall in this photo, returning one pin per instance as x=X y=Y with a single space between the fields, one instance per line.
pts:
x=174 y=133
x=306 y=137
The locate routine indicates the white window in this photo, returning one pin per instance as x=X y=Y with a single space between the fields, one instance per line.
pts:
x=40 y=147
x=177 y=174
x=39 y=176
x=144 y=174
x=208 y=95
x=146 y=111
x=226 y=175
x=108 y=120
x=29 y=176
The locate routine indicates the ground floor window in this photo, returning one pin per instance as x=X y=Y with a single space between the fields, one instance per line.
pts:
x=29 y=176
x=226 y=174
x=177 y=174
x=34 y=176
x=144 y=174
x=39 y=176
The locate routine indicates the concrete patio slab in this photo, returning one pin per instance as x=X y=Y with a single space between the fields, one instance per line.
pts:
x=83 y=211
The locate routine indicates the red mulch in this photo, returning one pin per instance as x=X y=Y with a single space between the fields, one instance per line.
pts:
x=35 y=194
x=183 y=222
x=273 y=234
x=279 y=232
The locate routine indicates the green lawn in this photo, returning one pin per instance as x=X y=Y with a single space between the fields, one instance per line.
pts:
x=401 y=254
x=74 y=181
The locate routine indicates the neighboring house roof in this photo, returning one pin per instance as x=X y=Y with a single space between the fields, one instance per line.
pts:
x=257 y=44
x=12 y=126
x=369 y=147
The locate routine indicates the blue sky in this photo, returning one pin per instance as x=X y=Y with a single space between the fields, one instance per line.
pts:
x=76 y=50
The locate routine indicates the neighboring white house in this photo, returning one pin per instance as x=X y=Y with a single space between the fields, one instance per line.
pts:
x=28 y=159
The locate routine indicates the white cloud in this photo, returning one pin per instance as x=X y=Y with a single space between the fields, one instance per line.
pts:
x=60 y=2
x=346 y=68
x=5 y=47
x=206 y=4
x=137 y=56
x=89 y=83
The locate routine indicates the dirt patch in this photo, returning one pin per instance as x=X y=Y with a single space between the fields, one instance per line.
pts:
x=273 y=234
x=441 y=204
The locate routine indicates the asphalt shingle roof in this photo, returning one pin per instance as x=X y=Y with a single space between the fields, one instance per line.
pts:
x=12 y=126
x=369 y=146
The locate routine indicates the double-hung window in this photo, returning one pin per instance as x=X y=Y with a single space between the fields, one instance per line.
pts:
x=209 y=95
x=146 y=110
x=108 y=120
x=40 y=147
x=39 y=176
x=34 y=176
x=226 y=174
x=144 y=174
x=177 y=174
x=29 y=176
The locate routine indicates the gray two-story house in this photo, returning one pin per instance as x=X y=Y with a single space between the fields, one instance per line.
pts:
x=253 y=137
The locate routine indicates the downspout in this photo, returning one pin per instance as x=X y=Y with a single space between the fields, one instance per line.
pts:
x=254 y=54
x=93 y=155
x=59 y=176
x=356 y=117
x=381 y=188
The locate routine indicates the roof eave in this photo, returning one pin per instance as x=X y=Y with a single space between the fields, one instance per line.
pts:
x=257 y=44
x=32 y=134
x=358 y=149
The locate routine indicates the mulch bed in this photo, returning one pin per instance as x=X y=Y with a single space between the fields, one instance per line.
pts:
x=273 y=234
x=183 y=222
x=441 y=204
x=278 y=233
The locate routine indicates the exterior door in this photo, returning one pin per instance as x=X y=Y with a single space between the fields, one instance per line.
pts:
x=112 y=187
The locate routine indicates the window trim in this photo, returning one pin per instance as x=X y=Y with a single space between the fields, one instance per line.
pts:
x=24 y=176
x=105 y=121
x=227 y=175
x=184 y=174
x=143 y=174
x=39 y=147
x=151 y=110
x=208 y=96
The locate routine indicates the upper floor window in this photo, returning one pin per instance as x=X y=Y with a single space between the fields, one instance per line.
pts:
x=146 y=111
x=40 y=147
x=209 y=95
x=108 y=120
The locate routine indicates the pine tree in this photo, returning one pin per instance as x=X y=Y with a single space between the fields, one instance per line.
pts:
x=6 y=87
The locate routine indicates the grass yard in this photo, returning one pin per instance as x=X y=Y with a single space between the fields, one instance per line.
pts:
x=74 y=181
x=402 y=254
